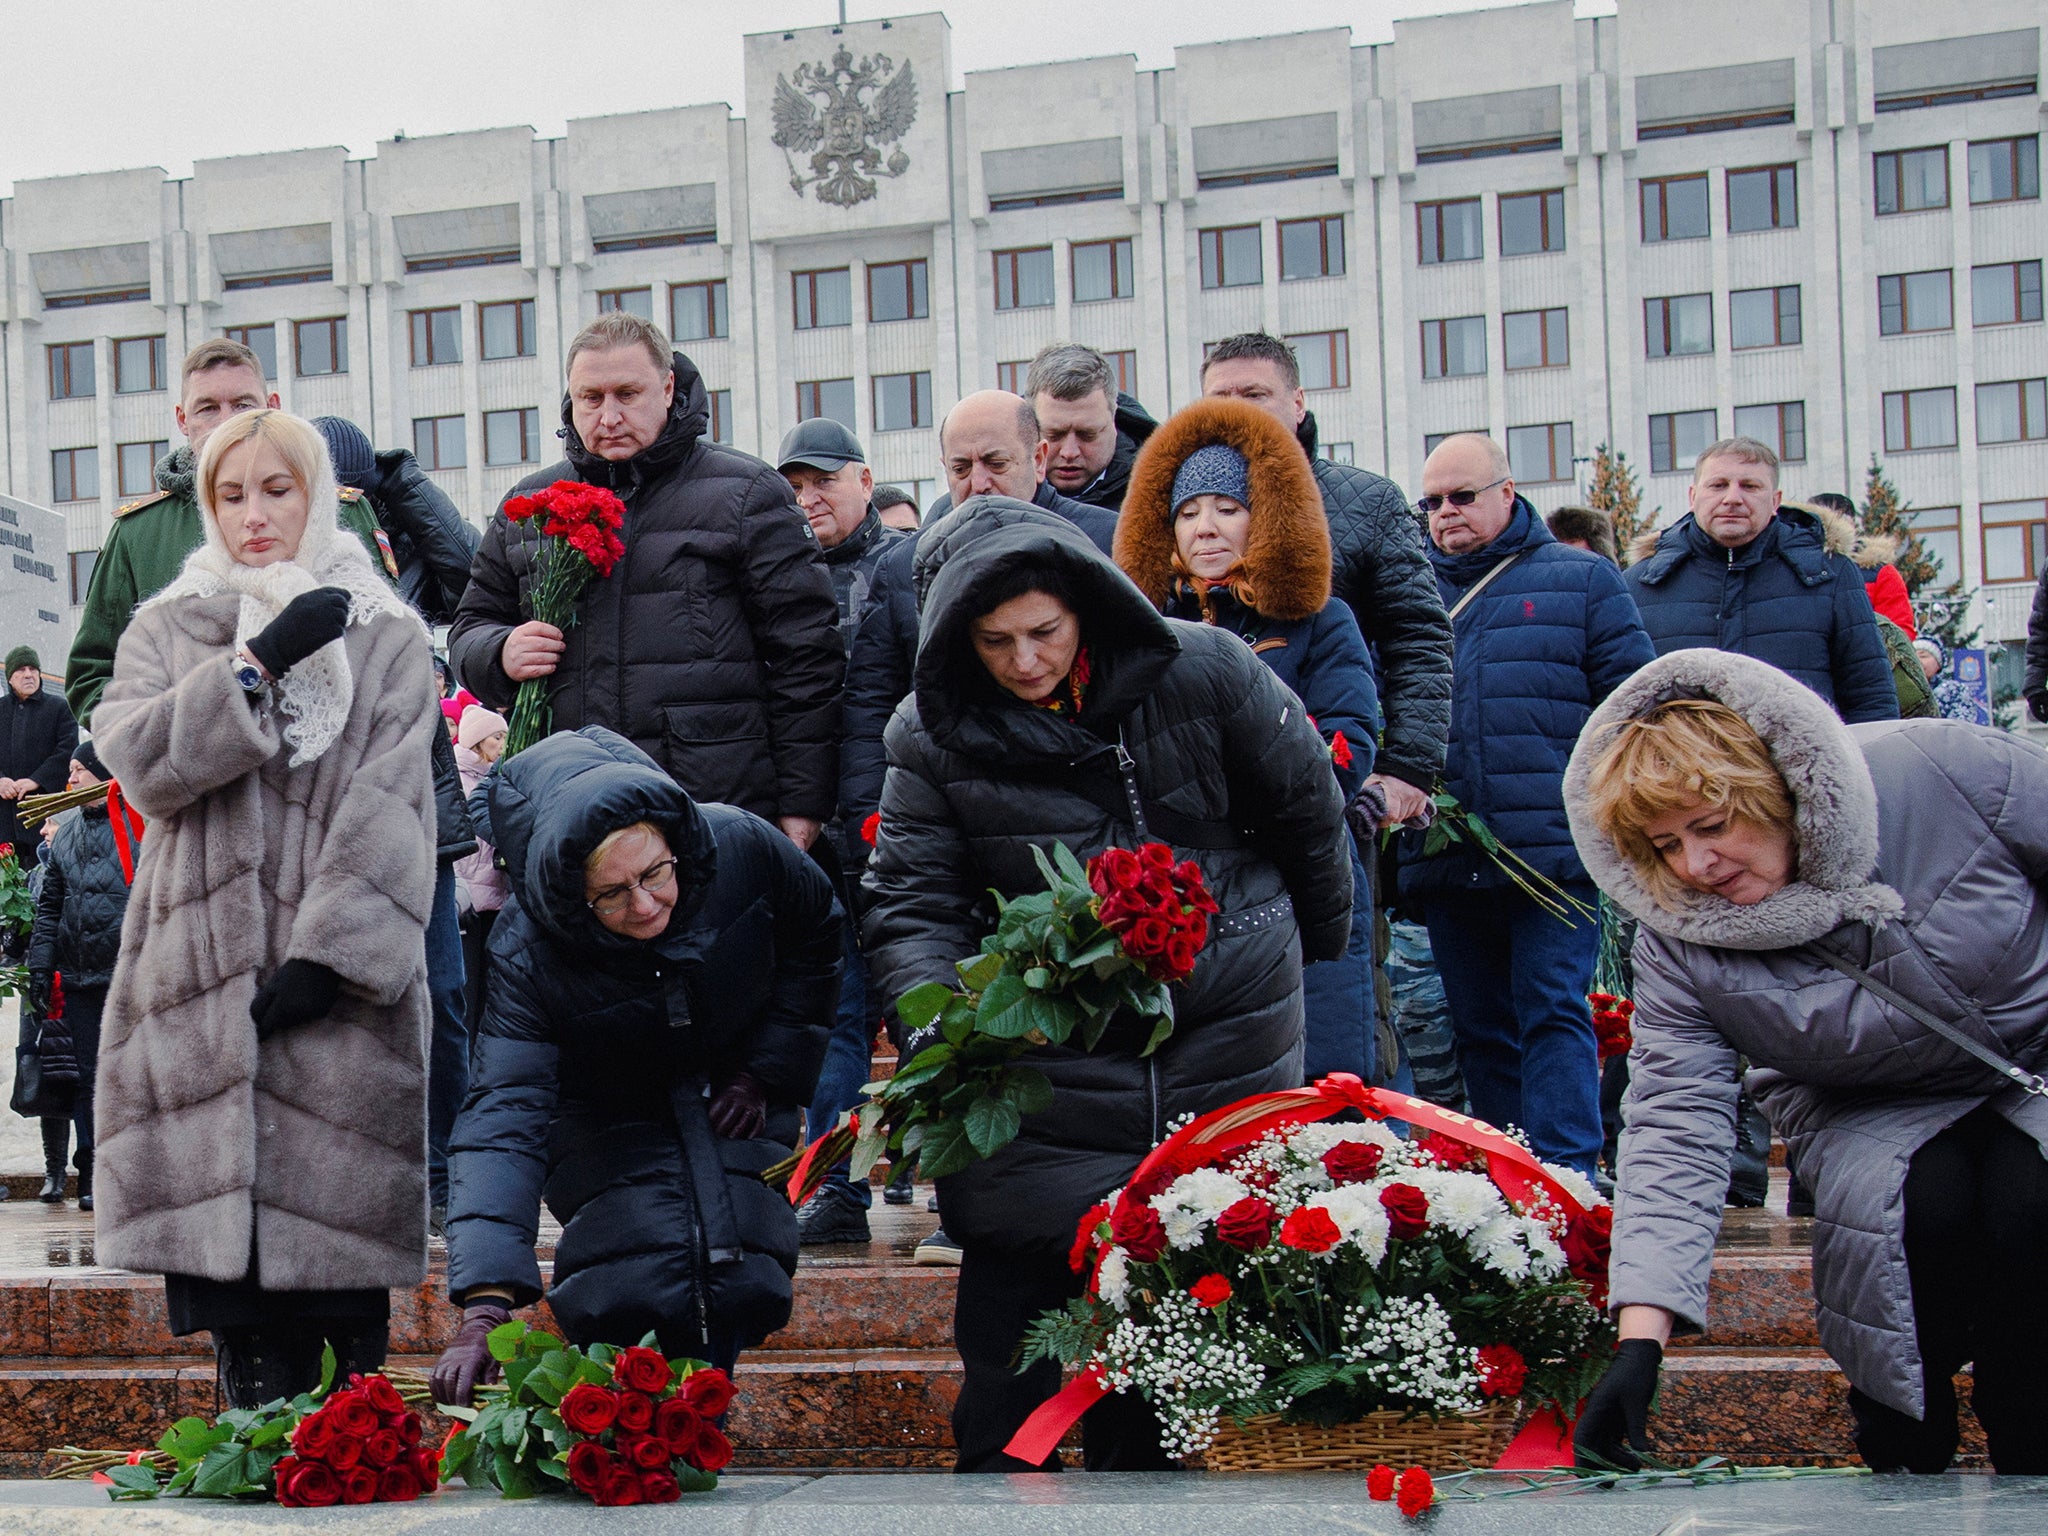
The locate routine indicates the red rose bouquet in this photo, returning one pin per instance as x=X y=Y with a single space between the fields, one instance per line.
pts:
x=1099 y=944
x=1614 y=1012
x=579 y=539
x=619 y=1426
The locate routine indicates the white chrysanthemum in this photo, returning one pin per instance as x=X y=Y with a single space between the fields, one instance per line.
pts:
x=1546 y=1253
x=1579 y=1186
x=1501 y=1245
x=1357 y=1211
x=1312 y=1141
x=1459 y=1202
x=1194 y=1200
x=1113 y=1279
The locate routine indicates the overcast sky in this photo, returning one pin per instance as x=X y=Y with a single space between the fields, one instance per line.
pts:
x=97 y=85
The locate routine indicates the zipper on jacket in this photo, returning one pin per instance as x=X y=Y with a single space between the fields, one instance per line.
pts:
x=1127 y=766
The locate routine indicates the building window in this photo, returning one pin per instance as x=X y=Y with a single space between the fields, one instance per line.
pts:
x=627 y=301
x=1453 y=348
x=1783 y=426
x=1231 y=258
x=1939 y=532
x=1102 y=270
x=898 y=290
x=138 y=365
x=1916 y=301
x=1677 y=439
x=2006 y=170
x=1911 y=180
x=826 y=397
x=260 y=339
x=135 y=467
x=437 y=442
x=1325 y=358
x=2005 y=294
x=506 y=330
x=500 y=258
x=1338 y=453
x=511 y=437
x=1011 y=376
x=1764 y=198
x=1447 y=232
x=721 y=413
x=75 y=474
x=1678 y=327
x=821 y=300
x=2014 y=412
x=71 y=371
x=1535 y=338
x=1126 y=366
x=82 y=562
x=1675 y=208
x=436 y=337
x=1311 y=248
x=1763 y=317
x=101 y=296
x=902 y=401
x=278 y=279
x=321 y=346
x=1024 y=278
x=1531 y=222
x=697 y=311
x=1919 y=418
x=2015 y=540
x=1538 y=455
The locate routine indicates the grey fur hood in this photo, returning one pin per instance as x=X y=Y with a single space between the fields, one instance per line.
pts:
x=1834 y=808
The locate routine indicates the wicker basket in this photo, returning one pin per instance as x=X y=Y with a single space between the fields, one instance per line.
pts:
x=1270 y=1444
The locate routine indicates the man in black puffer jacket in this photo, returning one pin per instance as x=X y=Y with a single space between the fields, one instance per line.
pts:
x=432 y=543
x=714 y=645
x=646 y=1042
x=1092 y=430
x=1227 y=768
x=1380 y=568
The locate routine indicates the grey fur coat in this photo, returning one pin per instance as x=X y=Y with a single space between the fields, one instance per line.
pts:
x=1921 y=855
x=309 y=1150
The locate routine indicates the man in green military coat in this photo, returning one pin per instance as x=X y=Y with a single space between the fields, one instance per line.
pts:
x=151 y=537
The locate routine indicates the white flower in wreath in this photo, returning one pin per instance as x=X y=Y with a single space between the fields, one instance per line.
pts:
x=1458 y=1202
x=1193 y=1201
x=1358 y=1214
x=1113 y=1279
x=1576 y=1184
x=1312 y=1141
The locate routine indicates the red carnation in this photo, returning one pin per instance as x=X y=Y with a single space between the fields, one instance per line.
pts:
x=1379 y=1483
x=1587 y=1242
x=636 y=1411
x=1310 y=1230
x=870 y=827
x=1352 y=1162
x=710 y=1392
x=678 y=1423
x=712 y=1451
x=306 y=1484
x=1086 y=1234
x=1137 y=1229
x=588 y=1409
x=1211 y=1291
x=1415 y=1492
x=359 y=1485
x=646 y=1452
x=1340 y=750
x=1247 y=1224
x=383 y=1449
x=1502 y=1370
x=588 y=1464
x=315 y=1436
x=397 y=1485
x=1407 y=1210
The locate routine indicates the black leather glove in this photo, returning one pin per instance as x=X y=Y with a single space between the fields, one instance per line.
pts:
x=39 y=991
x=1620 y=1405
x=466 y=1363
x=2037 y=705
x=739 y=1110
x=309 y=621
x=300 y=992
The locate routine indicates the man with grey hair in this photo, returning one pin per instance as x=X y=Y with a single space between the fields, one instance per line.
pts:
x=1740 y=572
x=1092 y=430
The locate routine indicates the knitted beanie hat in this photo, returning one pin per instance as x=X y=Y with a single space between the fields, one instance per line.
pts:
x=87 y=756
x=22 y=656
x=1218 y=469
x=355 y=461
x=479 y=724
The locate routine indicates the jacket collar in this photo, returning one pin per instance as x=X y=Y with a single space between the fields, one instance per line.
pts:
x=689 y=414
x=1525 y=531
x=857 y=543
x=1793 y=536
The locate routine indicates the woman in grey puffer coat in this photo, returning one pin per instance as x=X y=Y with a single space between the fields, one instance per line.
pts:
x=1754 y=835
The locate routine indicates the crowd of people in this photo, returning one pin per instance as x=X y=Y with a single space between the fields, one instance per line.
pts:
x=371 y=977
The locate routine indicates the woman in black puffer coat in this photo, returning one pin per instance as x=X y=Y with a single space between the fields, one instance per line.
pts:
x=646 y=1042
x=1100 y=701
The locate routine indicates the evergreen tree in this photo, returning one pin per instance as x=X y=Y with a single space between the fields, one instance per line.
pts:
x=1885 y=516
x=1616 y=493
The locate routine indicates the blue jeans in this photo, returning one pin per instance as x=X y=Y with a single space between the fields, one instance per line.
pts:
x=448 y=1052
x=1516 y=979
x=849 y=1061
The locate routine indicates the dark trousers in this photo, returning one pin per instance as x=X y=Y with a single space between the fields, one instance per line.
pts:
x=448 y=1051
x=1516 y=980
x=83 y=1008
x=1976 y=1249
x=476 y=955
x=1001 y=1293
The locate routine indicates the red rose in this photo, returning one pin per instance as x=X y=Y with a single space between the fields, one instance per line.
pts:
x=621 y=1486
x=1086 y=1234
x=1415 y=1492
x=383 y=1449
x=307 y=1484
x=1379 y=1483
x=343 y=1452
x=409 y=1430
x=1181 y=952
x=645 y=1452
x=588 y=1464
x=353 y=1415
x=1310 y=1230
x=1211 y=1291
x=358 y=1486
x=870 y=827
x=1137 y=1230
x=1148 y=936
x=588 y=1409
x=659 y=1488
x=712 y=1451
x=397 y=1485
x=1247 y=1224
x=1502 y=1370
x=678 y=1423
x=1587 y=1242
x=643 y=1370
x=426 y=1466
x=636 y=1411
x=1446 y=1153
x=710 y=1392
x=382 y=1396
x=1407 y=1210
x=1352 y=1162
x=314 y=1437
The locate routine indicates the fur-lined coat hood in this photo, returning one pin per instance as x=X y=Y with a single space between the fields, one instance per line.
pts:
x=1287 y=557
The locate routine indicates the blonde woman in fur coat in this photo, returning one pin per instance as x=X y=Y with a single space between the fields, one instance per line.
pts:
x=262 y=1091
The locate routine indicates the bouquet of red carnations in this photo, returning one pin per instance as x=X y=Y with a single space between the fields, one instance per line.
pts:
x=579 y=539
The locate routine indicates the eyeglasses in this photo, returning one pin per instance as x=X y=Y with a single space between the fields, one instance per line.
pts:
x=1427 y=504
x=654 y=881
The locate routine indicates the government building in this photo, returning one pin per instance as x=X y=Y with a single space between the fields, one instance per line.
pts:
x=1814 y=222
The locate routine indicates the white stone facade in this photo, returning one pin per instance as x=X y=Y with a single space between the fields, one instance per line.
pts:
x=1242 y=136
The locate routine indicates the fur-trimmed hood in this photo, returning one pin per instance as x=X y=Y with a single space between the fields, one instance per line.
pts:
x=1287 y=558
x=1868 y=550
x=1834 y=808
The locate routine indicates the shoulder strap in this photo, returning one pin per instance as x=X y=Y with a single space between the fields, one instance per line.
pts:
x=1118 y=799
x=1998 y=1063
x=1482 y=583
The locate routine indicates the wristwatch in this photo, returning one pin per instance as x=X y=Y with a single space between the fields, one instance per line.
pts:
x=249 y=675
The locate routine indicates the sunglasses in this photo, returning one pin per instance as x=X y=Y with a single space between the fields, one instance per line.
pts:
x=1428 y=504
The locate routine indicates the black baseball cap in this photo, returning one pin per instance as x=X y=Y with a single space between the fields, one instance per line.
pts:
x=820 y=443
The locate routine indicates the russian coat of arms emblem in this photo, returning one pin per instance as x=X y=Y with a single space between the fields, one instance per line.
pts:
x=857 y=109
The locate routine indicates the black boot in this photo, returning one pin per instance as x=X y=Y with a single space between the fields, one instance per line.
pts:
x=83 y=1162
x=260 y=1365
x=56 y=1140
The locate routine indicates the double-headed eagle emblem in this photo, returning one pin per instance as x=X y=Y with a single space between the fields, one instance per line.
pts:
x=841 y=135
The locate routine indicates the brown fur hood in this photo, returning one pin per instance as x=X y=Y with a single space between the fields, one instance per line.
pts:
x=1287 y=559
x=1867 y=550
